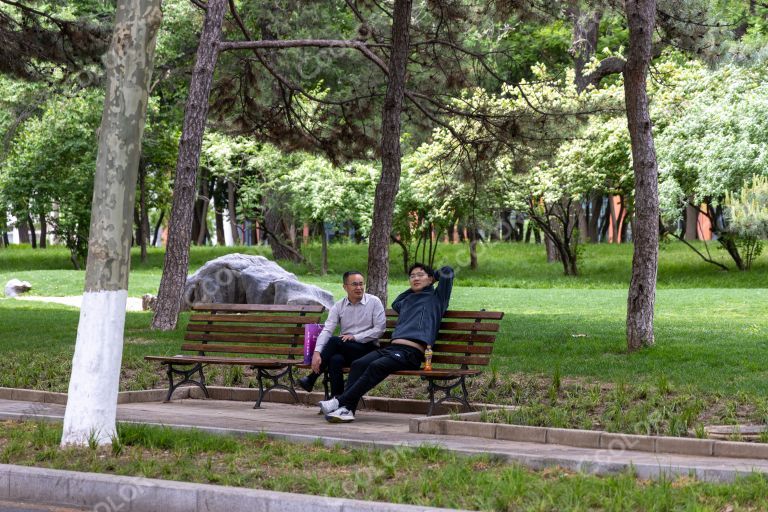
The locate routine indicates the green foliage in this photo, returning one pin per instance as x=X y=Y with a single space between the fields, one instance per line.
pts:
x=748 y=209
x=50 y=169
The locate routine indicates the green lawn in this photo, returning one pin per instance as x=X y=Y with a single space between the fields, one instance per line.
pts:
x=426 y=476
x=710 y=327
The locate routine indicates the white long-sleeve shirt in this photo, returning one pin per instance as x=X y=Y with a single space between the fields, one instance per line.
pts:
x=365 y=321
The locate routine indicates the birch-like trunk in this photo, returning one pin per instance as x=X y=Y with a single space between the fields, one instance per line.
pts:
x=93 y=386
x=184 y=188
x=386 y=189
x=641 y=16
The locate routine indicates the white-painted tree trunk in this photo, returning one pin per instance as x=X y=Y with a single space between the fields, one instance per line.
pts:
x=93 y=386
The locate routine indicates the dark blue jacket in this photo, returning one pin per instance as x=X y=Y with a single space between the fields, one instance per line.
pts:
x=420 y=313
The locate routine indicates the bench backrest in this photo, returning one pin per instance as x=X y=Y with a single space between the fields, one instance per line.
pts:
x=465 y=338
x=266 y=330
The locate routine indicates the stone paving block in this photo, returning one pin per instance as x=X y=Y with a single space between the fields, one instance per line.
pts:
x=470 y=428
x=5 y=480
x=574 y=437
x=403 y=406
x=740 y=450
x=165 y=496
x=432 y=427
x=243 y=395
x=55 y=398
x=684 y=445
x=40 y=485
x=618 y=443
x=230 y=500
x=284 y=502
x=521 y=433
x=27 y=395
x=99 y=492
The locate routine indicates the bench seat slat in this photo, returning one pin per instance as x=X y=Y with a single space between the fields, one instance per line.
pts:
x=245 y=361
x=262 y=319
x=243 y=349
x=439 y=372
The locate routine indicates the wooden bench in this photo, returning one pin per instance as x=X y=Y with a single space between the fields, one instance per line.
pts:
x=463 y=348
x=267 y=338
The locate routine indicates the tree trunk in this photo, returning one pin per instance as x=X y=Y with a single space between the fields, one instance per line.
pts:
x=324 y=238
x=93 y=386
x=23 y=228
x=179 y=227
x=203 y=202
x=158 y=224
x=389 y=183
x=143 y=213
x=220 y=239
x=43 y=232
x=276 y=230
x=232 y=215
x=32 y=232
x=642 y=289
x=596 y=205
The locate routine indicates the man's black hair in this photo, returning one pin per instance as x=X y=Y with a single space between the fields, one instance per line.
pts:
x=351 y=273
x=426 y=268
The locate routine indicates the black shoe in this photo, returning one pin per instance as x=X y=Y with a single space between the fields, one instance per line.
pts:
x=308 y=382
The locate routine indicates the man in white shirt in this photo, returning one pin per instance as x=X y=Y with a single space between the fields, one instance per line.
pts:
x=362 y=321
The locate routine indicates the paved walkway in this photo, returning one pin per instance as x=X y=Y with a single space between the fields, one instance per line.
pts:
x=371 y=428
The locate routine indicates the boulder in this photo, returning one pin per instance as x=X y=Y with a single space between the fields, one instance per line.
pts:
x=245 y=279
x=14 y=288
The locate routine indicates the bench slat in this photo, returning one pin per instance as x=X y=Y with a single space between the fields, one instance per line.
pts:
x=489 y=315
x=473 y=360
x=455 y=336
x=250 y=319
x=248 y=329
x=293 y=308
x=462 y=349
x=244 y=361
x=243 y=349
x=257 y=329
x=262 y=319
x=252 y=338
x=459 y=326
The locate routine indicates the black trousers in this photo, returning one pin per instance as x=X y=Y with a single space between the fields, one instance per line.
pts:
x=338 y=354
x=368 y=371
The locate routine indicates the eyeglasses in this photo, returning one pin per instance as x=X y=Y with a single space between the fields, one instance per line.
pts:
x=358 y=284
x=417 y=275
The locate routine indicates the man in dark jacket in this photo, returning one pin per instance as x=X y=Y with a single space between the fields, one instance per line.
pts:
x=420 y=310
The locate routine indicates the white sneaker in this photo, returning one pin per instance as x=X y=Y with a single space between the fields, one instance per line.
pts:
x=340 y=415
x=328 y=406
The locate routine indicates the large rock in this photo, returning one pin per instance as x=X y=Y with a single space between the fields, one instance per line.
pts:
x=14 y=287
x=245 y=279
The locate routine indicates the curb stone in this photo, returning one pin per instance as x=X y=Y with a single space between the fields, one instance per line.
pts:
x=111 y=493
x=467 y=425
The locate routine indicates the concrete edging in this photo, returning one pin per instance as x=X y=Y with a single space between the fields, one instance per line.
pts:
x=107 y=493
x=467 y=425
x=383 y=404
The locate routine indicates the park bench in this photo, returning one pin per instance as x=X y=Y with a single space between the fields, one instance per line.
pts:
x=267 y=338
x=463 y=347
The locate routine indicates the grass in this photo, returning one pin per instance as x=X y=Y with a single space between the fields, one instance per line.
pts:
x=710 y=329
x=426 y=476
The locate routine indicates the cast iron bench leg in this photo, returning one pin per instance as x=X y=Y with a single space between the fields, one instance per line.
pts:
x=448 y=390
x=186 y=379
x=262 y=373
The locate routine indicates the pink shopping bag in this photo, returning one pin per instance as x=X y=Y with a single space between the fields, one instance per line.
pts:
x=311 y=332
